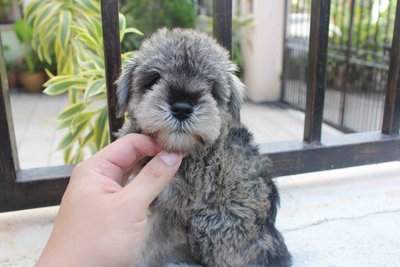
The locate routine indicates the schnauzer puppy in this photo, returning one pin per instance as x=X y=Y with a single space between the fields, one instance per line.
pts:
x=220 y=208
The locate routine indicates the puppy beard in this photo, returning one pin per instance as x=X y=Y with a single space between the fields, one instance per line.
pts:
x=154 y=116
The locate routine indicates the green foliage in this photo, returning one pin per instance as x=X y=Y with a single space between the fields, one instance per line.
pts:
x=149 y=16
x=68 y=33
x=24 y=34
x=23 y=31
x=371 y=35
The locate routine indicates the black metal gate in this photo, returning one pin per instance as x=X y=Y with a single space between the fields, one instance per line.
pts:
x=22 y=189
x=360 y=37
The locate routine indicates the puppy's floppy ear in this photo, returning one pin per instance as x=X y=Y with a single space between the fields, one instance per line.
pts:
x=237 y=94
x=124 y=86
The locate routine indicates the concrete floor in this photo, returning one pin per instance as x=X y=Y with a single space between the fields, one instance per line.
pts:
x=346 y=217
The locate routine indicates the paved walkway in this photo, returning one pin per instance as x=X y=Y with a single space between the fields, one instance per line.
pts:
x=346 y=217
x=35 y=128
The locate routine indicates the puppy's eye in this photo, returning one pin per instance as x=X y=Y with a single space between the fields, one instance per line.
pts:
x=150 y=79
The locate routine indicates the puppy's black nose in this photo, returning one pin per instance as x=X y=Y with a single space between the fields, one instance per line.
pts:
x=181 y=110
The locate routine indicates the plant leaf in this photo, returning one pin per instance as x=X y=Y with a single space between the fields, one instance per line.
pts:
x=89 y=136
x=122 y=25
x=70 y=111
x=88 y=40
x=92 y=7
x=73 y=135
x=67 y=155
x=94 y=88
x=32 y=8
x=46 y=13
x=64 y=30
x=101 y=129
x=87 y=65
x=66 y=142
x=127 y=55
x=48 y=72
x=82 y=117
x=59 y=87
x=65 y=123
x=133 y=30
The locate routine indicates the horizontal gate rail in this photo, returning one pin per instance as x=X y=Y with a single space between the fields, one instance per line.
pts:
x=342 y=151
x=31 y=188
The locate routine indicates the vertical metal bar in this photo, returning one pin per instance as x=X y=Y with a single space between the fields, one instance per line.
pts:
x=222 y=23
x=367 y=43
x=360 y=28
x=285 y=51
x=391 y=116
x=343 y=26
x=8 y=150
x=318 y=51
x=377 y=45
x=300 y=62
x=388 y=23
x=336 y=18
x=112 y=57
x=348 y=55
x=298 y=82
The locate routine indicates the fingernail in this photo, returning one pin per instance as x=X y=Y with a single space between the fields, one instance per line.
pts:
x=170 y=159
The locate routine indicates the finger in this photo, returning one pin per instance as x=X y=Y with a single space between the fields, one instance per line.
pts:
x=115 y=160
x=145 y=187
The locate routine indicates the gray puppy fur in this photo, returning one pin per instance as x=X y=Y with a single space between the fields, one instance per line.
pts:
x=219 y=210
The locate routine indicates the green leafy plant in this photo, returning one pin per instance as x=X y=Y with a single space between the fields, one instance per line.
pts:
x=70 y=32
x=149 y=16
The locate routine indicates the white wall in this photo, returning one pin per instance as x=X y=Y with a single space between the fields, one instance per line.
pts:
x=262 y=45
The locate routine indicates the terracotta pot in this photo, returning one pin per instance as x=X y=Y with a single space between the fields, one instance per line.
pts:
x=12 y=77
x=33 y=81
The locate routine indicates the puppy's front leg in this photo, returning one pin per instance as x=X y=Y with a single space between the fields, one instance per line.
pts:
x=220 y=241
x=160 y=240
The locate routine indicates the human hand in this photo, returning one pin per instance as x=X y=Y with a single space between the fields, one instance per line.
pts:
x=101 y=222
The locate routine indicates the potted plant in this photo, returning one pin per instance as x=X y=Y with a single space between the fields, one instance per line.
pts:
x=12 y=74
x=33 y=76
x=12 y=71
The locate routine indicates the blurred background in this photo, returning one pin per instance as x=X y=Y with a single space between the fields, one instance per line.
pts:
x=57 y=46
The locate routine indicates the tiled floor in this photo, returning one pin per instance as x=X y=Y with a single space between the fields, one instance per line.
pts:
x=35 y=128
x=346 y=217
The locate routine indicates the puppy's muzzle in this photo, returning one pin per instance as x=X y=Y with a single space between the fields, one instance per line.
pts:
x=181 y=110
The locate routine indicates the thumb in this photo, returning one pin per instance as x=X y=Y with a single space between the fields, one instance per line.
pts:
x=145 y=187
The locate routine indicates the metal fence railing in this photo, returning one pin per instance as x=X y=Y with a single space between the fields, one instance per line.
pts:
x=360 y=36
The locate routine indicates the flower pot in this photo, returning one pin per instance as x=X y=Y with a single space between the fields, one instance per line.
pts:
x=12 y=77
x=33 y=81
